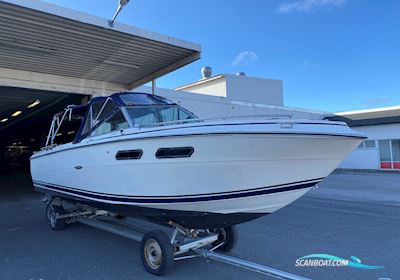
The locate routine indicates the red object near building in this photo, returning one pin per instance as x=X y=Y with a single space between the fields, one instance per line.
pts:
x=386 y=165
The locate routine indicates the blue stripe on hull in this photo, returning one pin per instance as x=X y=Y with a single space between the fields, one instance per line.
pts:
x=177 y=199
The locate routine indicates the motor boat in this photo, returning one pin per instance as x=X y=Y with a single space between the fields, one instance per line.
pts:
x=145 y=156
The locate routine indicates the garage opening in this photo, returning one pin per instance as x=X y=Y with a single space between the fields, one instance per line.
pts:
x=52 y=57
x=25 y=118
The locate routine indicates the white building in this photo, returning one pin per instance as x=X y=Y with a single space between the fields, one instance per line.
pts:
x=239 y=87
x=382 y=148
x=227 y=95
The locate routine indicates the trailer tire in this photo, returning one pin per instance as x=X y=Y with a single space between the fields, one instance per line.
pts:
x=157 y=252
x=227 y=235
x=51 y=212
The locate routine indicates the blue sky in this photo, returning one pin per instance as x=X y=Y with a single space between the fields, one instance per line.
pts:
x=332 y=55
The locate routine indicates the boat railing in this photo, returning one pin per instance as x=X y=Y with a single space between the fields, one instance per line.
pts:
x=58 y=119
x=194 y=120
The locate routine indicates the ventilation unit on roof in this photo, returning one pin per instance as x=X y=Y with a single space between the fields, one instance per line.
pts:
x=206 y=72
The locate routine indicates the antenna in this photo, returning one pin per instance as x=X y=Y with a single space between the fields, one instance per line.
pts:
x=121 y=4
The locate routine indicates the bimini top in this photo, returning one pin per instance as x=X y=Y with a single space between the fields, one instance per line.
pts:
x=122 y=99
x=108 y=114
x=134 y=99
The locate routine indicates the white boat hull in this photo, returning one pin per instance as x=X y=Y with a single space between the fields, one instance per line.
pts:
x=228 y=173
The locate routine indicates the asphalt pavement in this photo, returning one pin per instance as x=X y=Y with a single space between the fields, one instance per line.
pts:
x=350 y=214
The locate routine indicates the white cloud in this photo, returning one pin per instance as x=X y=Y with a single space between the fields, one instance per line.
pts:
x=374 y=101
x=307 y=6
x=245 y=58
x=307 y=64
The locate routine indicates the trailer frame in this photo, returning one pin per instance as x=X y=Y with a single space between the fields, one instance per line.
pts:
x=184 y=243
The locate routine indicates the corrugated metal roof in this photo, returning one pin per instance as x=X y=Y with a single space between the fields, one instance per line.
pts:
x=44 y=38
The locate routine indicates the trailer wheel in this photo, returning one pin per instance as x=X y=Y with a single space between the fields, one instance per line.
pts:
x=227 y=235
x=157 y=252
x=51 y=213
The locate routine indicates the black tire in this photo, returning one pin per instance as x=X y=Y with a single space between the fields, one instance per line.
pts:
x=227 y=235
x=51 y=212
x=157 y=252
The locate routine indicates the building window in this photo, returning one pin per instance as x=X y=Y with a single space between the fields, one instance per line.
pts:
x=396 y=153
x=389 y=153
x=367 y=144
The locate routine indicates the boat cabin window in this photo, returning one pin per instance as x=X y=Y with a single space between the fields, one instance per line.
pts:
x=173 y=113
x=103 y=117
x=105 y=111
x=135 y=99
x=122 y=111
x=96 y=107
x=158 y=114
x=143 y=116
x=88 y=124
x=109 y=118
x=93 y=113
x=116 y=122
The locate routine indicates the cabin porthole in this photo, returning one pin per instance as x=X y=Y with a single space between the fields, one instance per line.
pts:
x=174 y=152
x=129 y=154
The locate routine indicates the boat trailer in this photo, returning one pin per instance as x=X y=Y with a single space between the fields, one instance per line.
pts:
x=158 y=250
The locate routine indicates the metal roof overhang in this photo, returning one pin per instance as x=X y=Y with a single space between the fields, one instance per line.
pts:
x=366 y=122
x=384 y=112
x=49 y=47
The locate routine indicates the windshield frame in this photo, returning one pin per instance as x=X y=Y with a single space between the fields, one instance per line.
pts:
x=89 y=115
x=160 y=122
x=123 y=107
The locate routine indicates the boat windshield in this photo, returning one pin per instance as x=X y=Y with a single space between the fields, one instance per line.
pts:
x=155 y=115
x=118 y=112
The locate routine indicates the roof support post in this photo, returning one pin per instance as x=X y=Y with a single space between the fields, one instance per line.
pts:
x=153 y=86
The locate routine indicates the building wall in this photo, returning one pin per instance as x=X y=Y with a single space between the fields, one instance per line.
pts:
x=383 y=131
x=208 y=106
x=215 y=87
x=240 y=88
x=362 y=159
x=257 y=90
x=369 y=158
